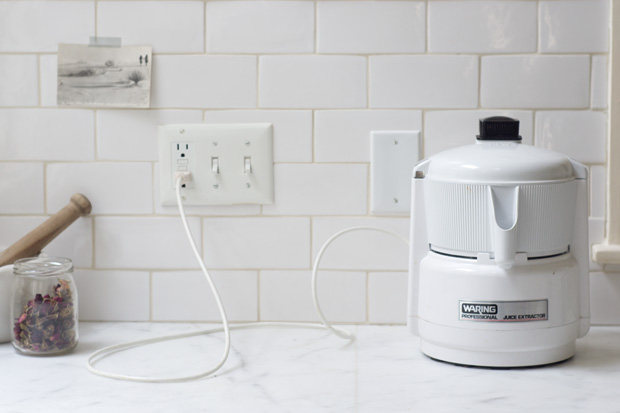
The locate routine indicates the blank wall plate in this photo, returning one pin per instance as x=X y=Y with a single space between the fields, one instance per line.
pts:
x=230 y=163
x=393 y=155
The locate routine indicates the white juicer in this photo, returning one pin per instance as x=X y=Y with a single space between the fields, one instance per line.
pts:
x=498 y=272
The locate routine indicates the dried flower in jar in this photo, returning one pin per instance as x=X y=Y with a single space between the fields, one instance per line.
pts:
x=47 y=322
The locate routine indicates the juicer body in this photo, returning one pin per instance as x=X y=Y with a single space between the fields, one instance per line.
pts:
x=498 y=272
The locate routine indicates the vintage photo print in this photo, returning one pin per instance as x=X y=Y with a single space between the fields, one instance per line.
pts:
x=111 y=77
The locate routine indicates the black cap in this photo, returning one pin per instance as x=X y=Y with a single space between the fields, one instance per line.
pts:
x=499 y=128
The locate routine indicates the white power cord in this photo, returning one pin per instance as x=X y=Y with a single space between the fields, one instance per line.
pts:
x=106 y=351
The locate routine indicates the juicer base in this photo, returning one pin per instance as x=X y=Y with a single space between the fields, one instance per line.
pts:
x=501 y=359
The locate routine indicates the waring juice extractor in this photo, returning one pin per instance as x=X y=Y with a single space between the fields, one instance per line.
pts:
x=498 y=272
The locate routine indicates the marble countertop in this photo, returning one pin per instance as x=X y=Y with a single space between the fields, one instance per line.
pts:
x=302 y=370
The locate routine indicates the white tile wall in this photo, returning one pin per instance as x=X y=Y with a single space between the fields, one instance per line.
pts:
x=344 y=135
x=574 y=26
x=371 y=27
x=46 y=134
x=141 y=242
x=596 y=235
x=111 y=187
x=257 y=243
x=312 y=82
x=38 y=26
x=325 y=73
x=319 y=190
x=48 y=67
x=599 y=82
x=286 y=295
x=423 y=81
x=598 y=188
x=22 y=187
x=185 y=295
x=292 y=130
x=112 y=295
x=535 y=81
x=578 y=134
x=168 y=26
x=387 y=297
x=133 y=135
x=451 y=128
x=260 y=27
x=482 y=26
x=606 y=288
x=19 y=80
x=198 y=81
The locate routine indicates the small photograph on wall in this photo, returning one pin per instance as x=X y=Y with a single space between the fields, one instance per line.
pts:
x=110 y=77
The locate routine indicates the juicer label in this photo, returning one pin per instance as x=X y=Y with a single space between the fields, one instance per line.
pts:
x=507 y=311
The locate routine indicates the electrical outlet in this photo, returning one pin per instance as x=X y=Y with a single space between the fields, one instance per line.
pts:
x=182 y=160
x=229 y=163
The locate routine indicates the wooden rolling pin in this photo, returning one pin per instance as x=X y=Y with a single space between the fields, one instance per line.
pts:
x=32 y=243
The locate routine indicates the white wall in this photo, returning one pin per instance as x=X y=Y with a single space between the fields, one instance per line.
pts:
x=325 y=73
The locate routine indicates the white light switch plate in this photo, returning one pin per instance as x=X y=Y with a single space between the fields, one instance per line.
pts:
x=393 y=156
x=229 y=163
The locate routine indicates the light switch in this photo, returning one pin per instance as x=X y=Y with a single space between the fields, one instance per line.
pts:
x=393 y=156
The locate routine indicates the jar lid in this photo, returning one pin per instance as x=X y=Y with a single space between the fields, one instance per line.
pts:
x=499 y=158
x=42 y=266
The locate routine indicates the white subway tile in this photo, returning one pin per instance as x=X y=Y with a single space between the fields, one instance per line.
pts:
x=535 y=81
x=292 y=130
x=204 y=82
x=574 y=26
x=46 y=134
x=186 y=296
x=582 y=135
x=344 y=136
x=212 y=210
x=49 y=79
x=75 y=242
x=605 y=309
x=22 y=186
x=257 y=243
x=599 y=82
x=596 y=235
x=451 y=128
x=169 y=26
x=314 y=189
x=598 y=191
x=132 y=135
x=287 y=296
x=112 y=188
x=38 y=26
x=423 y=81
x=112 y=295
x=363 y=249
x=260 y=27
x=157 y=242
x=482 y=26
x=312 y=82
x=371 y=27
x=19 y=84
x=387 y=297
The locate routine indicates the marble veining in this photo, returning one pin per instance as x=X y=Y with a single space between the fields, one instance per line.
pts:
x=302 y=370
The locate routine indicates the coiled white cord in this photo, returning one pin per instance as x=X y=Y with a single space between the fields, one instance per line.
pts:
x=106 y=351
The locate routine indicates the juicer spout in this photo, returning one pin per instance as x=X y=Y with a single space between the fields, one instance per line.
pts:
x=505 y=214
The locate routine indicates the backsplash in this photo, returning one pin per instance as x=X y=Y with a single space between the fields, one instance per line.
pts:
x=325 y=73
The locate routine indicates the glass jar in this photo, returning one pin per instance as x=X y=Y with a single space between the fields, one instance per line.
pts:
x=44 y=306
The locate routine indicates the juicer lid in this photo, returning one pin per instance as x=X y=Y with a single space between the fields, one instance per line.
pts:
x=498 y=157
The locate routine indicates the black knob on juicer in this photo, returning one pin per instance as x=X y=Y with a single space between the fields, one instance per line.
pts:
x=499 y=128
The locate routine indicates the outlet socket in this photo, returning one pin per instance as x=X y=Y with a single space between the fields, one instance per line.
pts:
x=229 y=163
